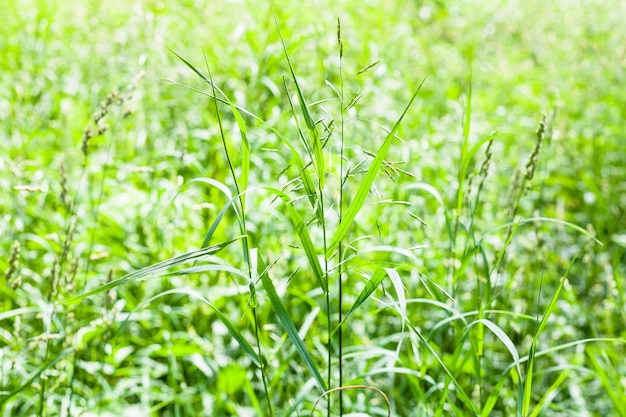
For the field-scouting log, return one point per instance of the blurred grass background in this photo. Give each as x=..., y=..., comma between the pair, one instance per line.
x=60, y=60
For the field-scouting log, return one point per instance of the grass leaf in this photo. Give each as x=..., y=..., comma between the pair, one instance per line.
x=316, y=143
x=232, y=329
x=155, y=270
x=305, y=238
x=292, y=332
x=533, y=346
x=367, y=182
x=459, y=388
x=364, y=295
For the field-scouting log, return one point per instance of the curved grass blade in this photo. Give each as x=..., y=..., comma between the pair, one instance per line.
x=305, y=238
x=548, y=220
x=364, y=295
x=528, y=385
x=316, y=143
x=399, y=287
x=290, y=328
x=232, y=329
x=36, y=375
x=158, y=269
x=495, y=393
x=506, y=341
x=361, y=194
x=459, y=389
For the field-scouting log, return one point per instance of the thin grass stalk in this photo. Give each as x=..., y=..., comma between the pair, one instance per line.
x=318, y=207
x=315, y=150
x=460, y=192
x=340, y=246
x=329, y=315
x=244, y=244
x=484, y=292
x=316, y=144
x=524, y=404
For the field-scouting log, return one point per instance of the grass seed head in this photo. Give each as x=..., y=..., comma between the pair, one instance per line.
x=13, y=261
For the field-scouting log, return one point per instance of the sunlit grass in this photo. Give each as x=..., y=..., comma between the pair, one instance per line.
x=417, y=215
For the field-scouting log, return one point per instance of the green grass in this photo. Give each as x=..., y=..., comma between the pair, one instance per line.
x=259, y=209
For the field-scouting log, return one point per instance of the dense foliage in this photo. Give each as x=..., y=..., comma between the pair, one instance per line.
x=229, y=209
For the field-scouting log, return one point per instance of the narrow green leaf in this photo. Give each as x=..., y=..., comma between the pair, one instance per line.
x=397, y=285
x=364, y=295
x=609, y=375
x=367, y=182
x=232, y=329
x=305, y=238
x=528, y=385
x=495, y=395
x=197, y=269
x=547, y=220
x=290, y=328
x=29, y=380
x=459, y=389
x=550, y=394
x=472, y=152
x=306, y=177
x=316, y=143
x=504, y=338
x=429, y=189
x=218, y=219
x=158, y=269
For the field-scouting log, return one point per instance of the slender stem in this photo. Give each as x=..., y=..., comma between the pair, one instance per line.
x=340, y=247
x=245, y=246
x=329, y=345
x=328, y=315
x=71, y=384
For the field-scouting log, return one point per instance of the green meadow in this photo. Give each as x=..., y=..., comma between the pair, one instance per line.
x=374, y=208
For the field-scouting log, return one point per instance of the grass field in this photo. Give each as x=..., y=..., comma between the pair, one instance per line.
x=333, y=208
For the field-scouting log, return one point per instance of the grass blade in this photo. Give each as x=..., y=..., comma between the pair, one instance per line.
x=305, y=238
x=316, y=143
x=495, y=394
x=399, y=287
x=155, y=270
x=609, y=376
x=460, y=392
x=506, y=341
x=364, y=295
x=367, y=182
x=232, y=329
x=290, y=328
x=528, y=385
x=550, y=393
